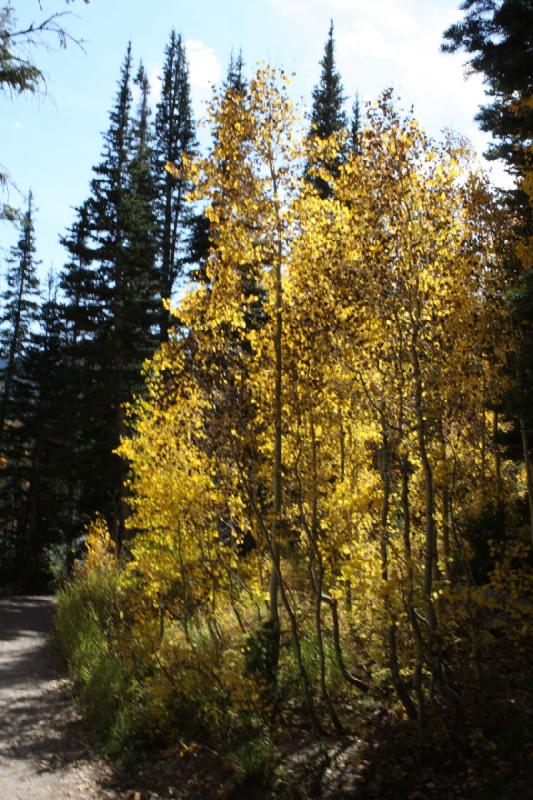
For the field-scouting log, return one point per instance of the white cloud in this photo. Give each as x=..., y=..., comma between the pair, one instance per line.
x=204, y=71
x=397, y=43
x=16, y=126
x=203, y=64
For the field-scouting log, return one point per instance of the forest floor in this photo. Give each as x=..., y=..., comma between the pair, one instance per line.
x=44, y=752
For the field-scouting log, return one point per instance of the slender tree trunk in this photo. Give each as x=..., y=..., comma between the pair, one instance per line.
x=483, y=442
x=277, y=487
x=348, y=676
x=166, y=247
x=497, y=457
x=430, y=560
x=446, y=527
x=411, y=611
x=318, y=569
x=295, y=636
x=434, y=654
x=529, y=472
x=342, y=443
x=527, y=458
x=392, y=645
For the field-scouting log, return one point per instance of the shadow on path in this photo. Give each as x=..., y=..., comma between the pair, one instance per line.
x=43, y=749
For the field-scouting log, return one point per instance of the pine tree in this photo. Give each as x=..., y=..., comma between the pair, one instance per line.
x=497, y=36
x=328, y=118
x=44, y=430
x=517, y=402
x=112, y=303
x=355, y=126
x=20, y=304
x=235, y=80
x=327, y=115
x=20, y=311
x=107, y=218
x=77, y=373
x=174, y=138
x=141, y=288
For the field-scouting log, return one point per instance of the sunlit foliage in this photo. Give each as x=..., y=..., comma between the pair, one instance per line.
x=315, y=455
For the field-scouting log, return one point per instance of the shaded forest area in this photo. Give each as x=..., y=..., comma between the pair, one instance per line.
x=304, y=488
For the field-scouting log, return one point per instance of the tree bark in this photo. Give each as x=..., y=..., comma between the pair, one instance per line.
x=529, y=472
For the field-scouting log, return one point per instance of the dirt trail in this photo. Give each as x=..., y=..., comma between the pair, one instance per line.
x=43, y=751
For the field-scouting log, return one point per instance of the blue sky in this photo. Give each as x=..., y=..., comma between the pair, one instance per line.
x=50, y=143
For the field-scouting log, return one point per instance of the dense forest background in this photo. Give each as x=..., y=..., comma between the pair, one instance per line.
x=300, y=495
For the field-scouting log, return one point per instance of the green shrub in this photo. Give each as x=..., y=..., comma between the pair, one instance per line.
x=255, y=759
x=104, y=679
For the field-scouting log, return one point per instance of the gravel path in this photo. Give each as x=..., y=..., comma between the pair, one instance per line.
x=43, y=751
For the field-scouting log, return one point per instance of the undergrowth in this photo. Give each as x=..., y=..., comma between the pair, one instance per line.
x=146, y=683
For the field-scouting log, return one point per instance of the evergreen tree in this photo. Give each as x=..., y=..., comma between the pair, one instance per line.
x=327, y=114
x=497, y=36
x=355, y=126
x=112, y=303
x=43, y=430
x=20, y=312
x=518, y=400
x=107, y=207
x=78, y=371
x=141, y=289
x=20, y=304
x=235, y=80
x=174, y=138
